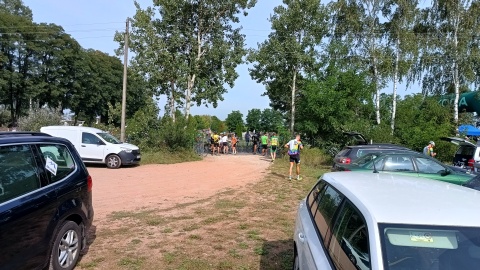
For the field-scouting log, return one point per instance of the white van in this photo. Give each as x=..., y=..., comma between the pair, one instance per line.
x=97, y=146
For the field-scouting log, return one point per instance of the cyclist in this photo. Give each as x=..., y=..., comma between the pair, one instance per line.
x=234, y=144
x=273, y=146
x=216, y=144
x=264, y=140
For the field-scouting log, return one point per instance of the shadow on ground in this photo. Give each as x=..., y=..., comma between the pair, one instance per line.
x=91, y=236
x=276, y=255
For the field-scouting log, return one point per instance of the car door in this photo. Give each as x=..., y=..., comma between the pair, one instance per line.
x=430, y=168
x=91, y=148
x=349, y=247
x=25, y=209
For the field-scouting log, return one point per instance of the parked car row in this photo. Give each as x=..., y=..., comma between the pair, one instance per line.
x=363, y=220
x=387, y=207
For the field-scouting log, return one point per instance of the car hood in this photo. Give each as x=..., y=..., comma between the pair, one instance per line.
x=129, y=146
x=457, y=141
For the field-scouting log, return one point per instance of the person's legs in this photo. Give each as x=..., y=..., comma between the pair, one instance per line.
x=298, y=168
x=290, y=172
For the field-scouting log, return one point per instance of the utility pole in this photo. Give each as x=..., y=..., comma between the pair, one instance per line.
x=124, y=92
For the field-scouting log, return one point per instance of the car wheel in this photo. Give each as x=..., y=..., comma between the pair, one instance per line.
x=296, y=262
x=113, y=162
x=66, y=248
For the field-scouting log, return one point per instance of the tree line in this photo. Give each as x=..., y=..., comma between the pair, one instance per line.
x=43, y=66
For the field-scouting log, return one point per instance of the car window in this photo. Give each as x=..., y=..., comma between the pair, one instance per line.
x=18, y=172
x=327, y=206
x=398, y=164
x=349, y=246
x=465, y=150
x=60, y=157
x=313, y=196
x=343, y=153
x=426, y=165
x=89, y=138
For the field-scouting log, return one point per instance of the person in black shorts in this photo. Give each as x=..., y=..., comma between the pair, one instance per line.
x=294, y=147
x=255, y=140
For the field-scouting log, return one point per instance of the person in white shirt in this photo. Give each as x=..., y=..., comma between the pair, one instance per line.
x=225, y=143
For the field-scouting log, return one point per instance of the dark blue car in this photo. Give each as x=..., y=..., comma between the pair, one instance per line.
x=45, y=202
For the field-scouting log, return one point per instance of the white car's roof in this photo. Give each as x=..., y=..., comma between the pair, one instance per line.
x=82, y=128
x=391, y=198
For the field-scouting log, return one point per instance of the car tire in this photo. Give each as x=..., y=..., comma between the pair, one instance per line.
x=296, y=262
x=67, y=246
x=113, y=161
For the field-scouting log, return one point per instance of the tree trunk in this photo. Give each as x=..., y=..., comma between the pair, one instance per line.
x=294, y=90
x=188, y=95
x=395, y=83
x=171, y=103
x=455, y=72
x=377, y=90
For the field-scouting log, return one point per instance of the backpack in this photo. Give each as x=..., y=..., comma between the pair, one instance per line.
x=274, y=141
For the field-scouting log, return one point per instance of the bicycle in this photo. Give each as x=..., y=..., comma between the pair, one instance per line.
x=202, y=149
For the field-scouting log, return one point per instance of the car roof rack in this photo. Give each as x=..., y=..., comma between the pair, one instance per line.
x=23, y=133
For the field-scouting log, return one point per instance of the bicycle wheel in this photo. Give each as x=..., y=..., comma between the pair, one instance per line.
x=206, y=149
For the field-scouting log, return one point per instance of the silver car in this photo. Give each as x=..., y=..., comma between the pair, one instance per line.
x=362, y=220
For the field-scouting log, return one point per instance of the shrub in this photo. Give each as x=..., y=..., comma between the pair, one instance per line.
x=39, y=118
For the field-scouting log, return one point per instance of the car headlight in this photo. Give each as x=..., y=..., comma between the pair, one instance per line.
x=126, y=149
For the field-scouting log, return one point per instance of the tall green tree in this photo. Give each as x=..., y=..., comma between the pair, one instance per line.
x=402, y=17
x=358, y=23
x=253, y=119
x=234, y=120
x=290, y=52
x=271, y=120
x=189, y=49
x=451, y=47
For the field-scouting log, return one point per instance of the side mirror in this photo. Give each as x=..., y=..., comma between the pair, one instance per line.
x=100, y=142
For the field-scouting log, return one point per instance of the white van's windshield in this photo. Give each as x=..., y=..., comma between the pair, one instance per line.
x=430, y=247
x=109, y=138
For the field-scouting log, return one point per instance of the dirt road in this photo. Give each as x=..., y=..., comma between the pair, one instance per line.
x=162, y=186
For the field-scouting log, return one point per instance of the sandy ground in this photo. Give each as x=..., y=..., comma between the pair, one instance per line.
x=162, y=186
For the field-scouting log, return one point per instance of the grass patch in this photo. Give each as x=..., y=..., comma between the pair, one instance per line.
x=220, y=232
x=167, y=157
x=131, y=263
x=229, y=204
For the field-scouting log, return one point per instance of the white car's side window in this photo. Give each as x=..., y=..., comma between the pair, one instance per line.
x=349, y=245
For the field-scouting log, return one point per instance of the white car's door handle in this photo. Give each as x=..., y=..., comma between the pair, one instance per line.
x=302, y=237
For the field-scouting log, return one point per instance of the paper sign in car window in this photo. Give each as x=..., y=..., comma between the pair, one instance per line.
x=421, y=237
x=51, y=166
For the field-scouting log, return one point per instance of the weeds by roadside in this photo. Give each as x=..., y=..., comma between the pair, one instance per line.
x=167, y=157
x=246, y=228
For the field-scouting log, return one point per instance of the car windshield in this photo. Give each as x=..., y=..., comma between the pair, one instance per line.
x=366, y=158
x=109, y=138
x=430, y=247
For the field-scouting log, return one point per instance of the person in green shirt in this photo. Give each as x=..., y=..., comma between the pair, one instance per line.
x=273, y=146
x=264, y=140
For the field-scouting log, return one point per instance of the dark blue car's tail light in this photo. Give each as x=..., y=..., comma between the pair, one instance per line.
x=89, y=183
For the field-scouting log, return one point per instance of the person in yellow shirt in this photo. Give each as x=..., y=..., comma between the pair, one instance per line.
x=216, y=144
x=273, y=146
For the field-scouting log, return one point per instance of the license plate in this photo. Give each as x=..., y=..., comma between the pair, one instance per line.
x=139, y=156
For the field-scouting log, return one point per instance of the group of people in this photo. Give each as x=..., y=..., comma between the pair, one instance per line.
x=219, y=143
x=265, y=141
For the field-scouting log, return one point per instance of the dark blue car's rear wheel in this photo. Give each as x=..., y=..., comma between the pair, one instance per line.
x=67, y=246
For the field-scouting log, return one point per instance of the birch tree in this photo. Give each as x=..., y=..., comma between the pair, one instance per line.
x=402, y=16
x=189, y=49
x=290, y=52
x=358, y=23
x=451, y=36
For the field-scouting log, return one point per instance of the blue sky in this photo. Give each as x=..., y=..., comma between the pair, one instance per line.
x=93, y=24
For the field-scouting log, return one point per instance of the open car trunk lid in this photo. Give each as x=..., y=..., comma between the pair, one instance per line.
x=458, y=141
x=356, y=136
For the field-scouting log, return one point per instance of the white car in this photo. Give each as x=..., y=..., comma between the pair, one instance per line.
x=97, y=146
x=363, y=220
